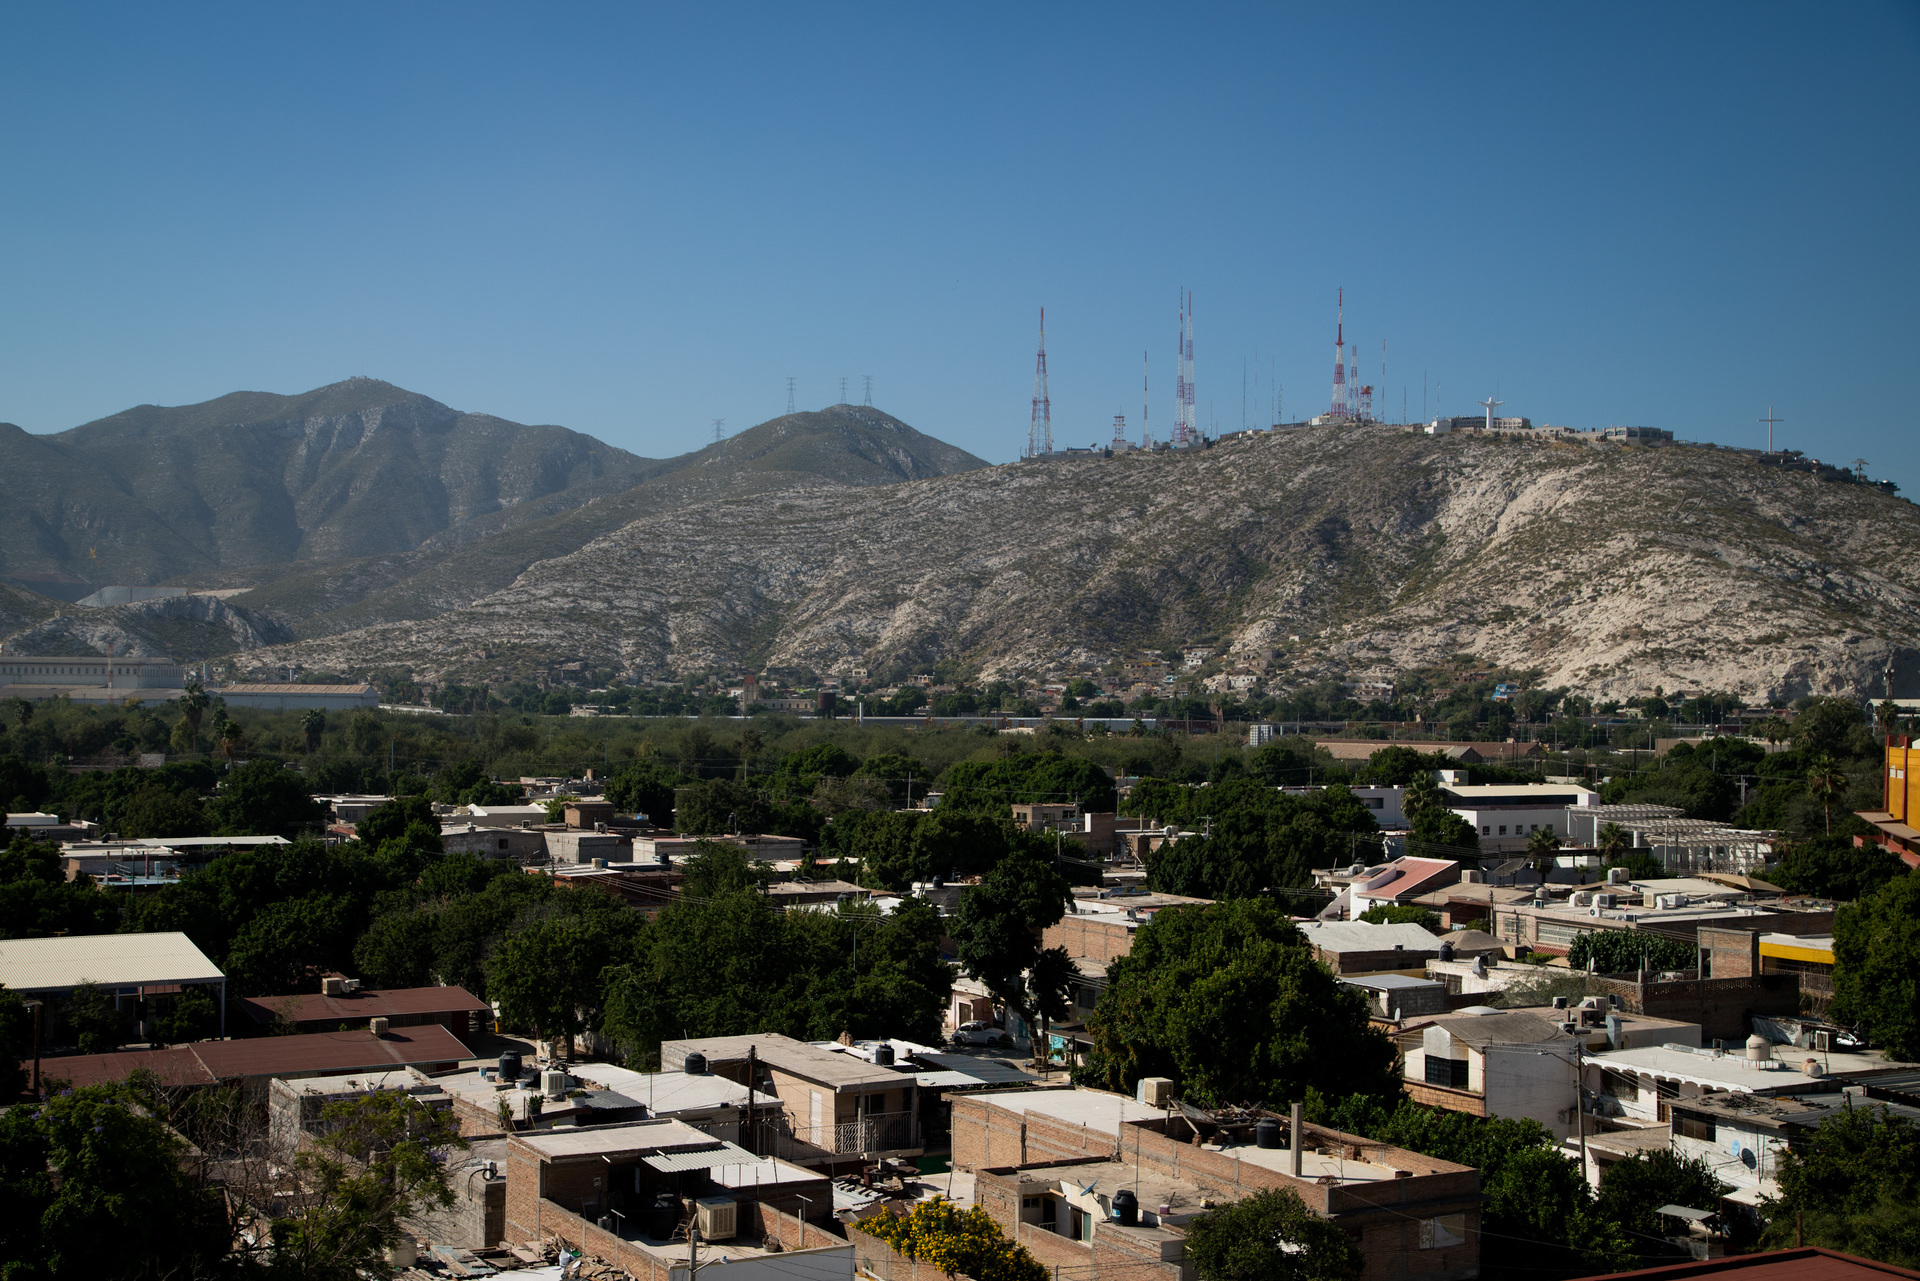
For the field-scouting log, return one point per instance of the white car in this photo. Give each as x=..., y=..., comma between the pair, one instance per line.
x=978, y=1033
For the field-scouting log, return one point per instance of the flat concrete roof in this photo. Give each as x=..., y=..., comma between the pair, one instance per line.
x=797, y=1058
x=1095, y=1109
x=667, y=1092
x=606, y=1140
x=109, y=960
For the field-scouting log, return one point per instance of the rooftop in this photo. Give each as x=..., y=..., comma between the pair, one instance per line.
x=367, y=1003
x=798, y=1058
x=109, y=960
x=283, y=688
x=664, y=1093
x=1510, y=1027
x=1362, y=936
x=606, y=1140
x=315, y=1053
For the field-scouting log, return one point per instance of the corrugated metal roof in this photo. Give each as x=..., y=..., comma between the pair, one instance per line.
x=110, y=960
x=721, y=1153
x=308, y=1007
x=315, y=1053
x=282, y=688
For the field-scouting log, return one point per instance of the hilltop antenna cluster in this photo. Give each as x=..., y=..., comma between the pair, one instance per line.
x=1119, y=431
x=1183, y=420
x=1339, y=406
x=1040, y=432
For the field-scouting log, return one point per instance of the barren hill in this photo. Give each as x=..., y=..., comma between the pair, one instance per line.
x=1610, y=568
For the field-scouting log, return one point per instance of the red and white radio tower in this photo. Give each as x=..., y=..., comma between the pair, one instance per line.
x=1339, y=409
x=1040, y=434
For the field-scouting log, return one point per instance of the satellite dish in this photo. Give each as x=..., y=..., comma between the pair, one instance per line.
x=1086, y=1189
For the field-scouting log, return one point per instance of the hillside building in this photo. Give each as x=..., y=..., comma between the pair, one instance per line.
x=89, y=678
x=282, y=697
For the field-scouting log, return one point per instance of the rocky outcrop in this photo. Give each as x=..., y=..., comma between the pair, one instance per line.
x=181, y=627
x=1607, y=568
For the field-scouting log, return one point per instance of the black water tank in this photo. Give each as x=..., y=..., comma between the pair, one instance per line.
x=510, y=1066
x=663, y=1216
x=1267, y=1133
x=1126, y=1208
x=696, y=1064
x=1446, y=951
x=883, y=1055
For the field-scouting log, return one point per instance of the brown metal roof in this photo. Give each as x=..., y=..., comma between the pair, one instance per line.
x=325, y=1053
x=358, y=1007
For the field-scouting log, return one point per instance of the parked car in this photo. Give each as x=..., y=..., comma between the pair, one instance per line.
x=978, y=1033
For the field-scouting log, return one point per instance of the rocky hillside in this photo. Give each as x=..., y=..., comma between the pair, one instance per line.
x=1609, y=568
x=233, y=487
x=842, y=447
x=184, y=627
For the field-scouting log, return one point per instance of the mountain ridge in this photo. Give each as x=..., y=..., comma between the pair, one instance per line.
x=1608, y=568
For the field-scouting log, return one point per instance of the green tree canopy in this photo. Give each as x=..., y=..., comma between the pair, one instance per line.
x=957, y=1242
x=264, y=798
x=997, y=928
x=1046, y=777
x=1876, y=966
x=1852, y=1185
x=1254, y=838
x=646, y=787
x=1834, y=867
x=1228, y=1001
x=1626, y=951
x=1270, y=1236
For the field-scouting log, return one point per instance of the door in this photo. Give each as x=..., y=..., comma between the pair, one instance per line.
x=813, y=1114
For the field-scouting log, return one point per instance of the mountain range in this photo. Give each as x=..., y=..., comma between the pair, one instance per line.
x=845, y=539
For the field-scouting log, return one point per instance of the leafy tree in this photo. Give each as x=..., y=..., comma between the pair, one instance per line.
x=190, y=1017
x=1625, y=951
x=1831, y=727
x=16, y=1043
x=1876, y=958
x=1033, y=777
x=1397, y=766
x=1255, y=839
x=646, y=787
x=958, y=1242
x=1228, y=1000
x=1402, y=914
x=1834, y=867
x=264, y=798
x=907, y=779
x=719, y=867
x=547, y=976
x=1048, y=982
x=95, y=1186
x=160, y=811
x=396, y=819
x=719, y=806
x=23, y=787
x=1852, y=1185
x=1537, y=1219
x=97, y=1027
x=1270, y=1236
x=379, y=1158
x=36, y=899
x=1827, y=784
x=1633, y=1190
x=997, y=929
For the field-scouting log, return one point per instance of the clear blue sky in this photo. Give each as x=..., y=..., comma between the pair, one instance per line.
x=633, y=220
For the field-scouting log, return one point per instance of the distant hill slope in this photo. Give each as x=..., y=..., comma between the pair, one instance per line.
x=252, y=480
x=1610, y=568
x=844, y=446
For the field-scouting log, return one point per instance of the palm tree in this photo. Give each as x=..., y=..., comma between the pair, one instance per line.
x=1826, y=783
x=1888, y=717
x=1613, y=841
x=1773, y=729
x=231, y=736
x=193, y=705
x=1541, y=847
x=314, y=722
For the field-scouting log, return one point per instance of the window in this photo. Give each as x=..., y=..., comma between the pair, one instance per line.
x=1689, y=1126
x=1486, y=830
x=1448, y=1073
x=1446, y=1230
x=1503, y=829
x=1617, y=1086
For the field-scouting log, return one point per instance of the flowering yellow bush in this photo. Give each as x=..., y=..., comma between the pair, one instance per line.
x=967, y=1242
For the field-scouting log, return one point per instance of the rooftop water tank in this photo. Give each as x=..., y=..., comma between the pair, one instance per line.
x=1267, y=1133
x=1759, y=1049
x=695, y=1064
x=510, y=1066
x=1126, y=1208
x=1446, y=951
x=883, y=1054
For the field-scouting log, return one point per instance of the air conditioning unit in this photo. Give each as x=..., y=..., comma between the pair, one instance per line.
x=717, y=1217
x=1603, y=901
x=1154, y=1091
x=1582, y=898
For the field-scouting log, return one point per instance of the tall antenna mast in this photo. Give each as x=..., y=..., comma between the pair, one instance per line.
x=1146, y=429
x=789, y=395
x=1040, y=433
x=1339, y=409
